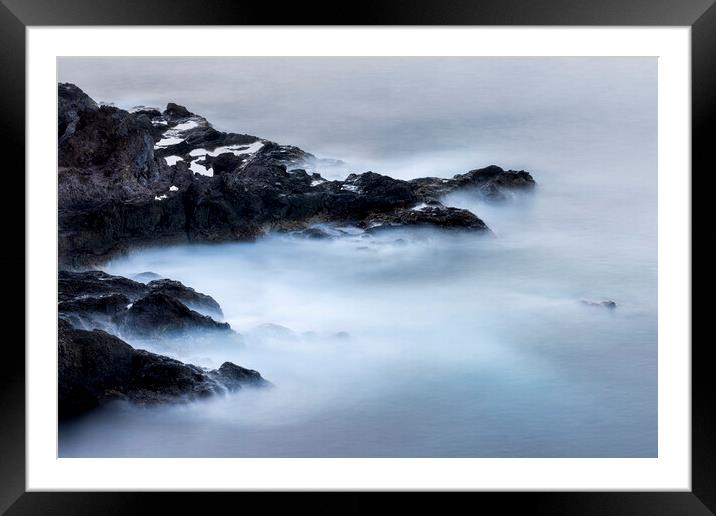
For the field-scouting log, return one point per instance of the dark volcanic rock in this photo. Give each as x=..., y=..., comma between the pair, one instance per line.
x=492, y=182
x=235, y=377
x=117, y=191
x=149, y=112
x=93, y=312
x=79, y=285
x=285, y=154
x=109, y=136
x=225, y=162
x=95, y=299
x=71, y=103
x=187, y=295
x=95, y=367
x=429, y=215
x=177, y=111
x=160, y=315
x=106, y=305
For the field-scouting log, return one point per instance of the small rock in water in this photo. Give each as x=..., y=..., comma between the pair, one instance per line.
x=274, y=331
x=605, y=303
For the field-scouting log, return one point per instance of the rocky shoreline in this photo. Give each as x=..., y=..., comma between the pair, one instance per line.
x=96, y=311
x=140, y=177
x=132, y=178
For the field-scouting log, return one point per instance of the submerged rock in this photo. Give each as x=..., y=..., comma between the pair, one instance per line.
x=604, y=303
x=95, y=368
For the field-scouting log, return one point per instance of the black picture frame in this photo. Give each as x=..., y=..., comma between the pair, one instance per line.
x=16, y=15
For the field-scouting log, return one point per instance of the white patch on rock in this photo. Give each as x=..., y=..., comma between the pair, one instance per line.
x=236, y=150
x=172, y=160
x=191, y=124
x=349, y=188
x=173, y=188
x=166, y=141
x=201, y=169
x=160, y=197
x=141, y=108
x=317, y=182
x=174, y=135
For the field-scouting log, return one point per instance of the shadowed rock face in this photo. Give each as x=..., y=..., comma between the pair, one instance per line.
x=491, y=182
x=79, y=285
x=128, y=179
x=430, y=215
x=187, y=295
x=159, y=315
x=95, y=367
x=161, y=308
x=234, y=377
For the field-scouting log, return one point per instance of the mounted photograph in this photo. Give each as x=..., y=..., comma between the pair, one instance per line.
x=369, y=257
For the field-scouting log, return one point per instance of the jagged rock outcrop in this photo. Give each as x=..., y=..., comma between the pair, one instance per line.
x=73, y=285
x=187, y=295
x=160, y=308
x=160, y=315
x=131, y=178
x=95, y=367
x=432, y=215
x=235, y=377
x=491, y=182
x=98, y=310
